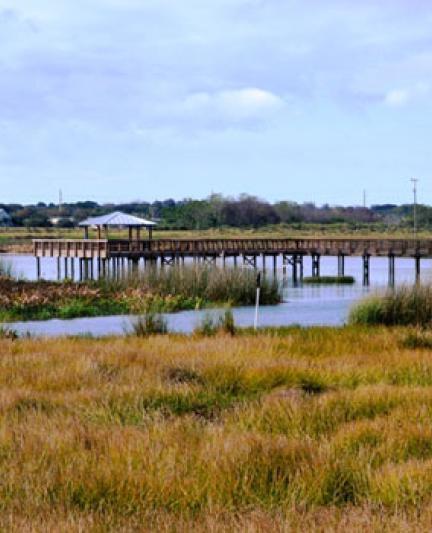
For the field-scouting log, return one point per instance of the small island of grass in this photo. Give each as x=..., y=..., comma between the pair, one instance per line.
x=330, y=280
x=157, y=290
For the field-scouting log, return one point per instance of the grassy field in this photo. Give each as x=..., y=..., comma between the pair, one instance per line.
x=297, y=430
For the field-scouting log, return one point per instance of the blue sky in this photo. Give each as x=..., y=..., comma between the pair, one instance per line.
x=307, y=100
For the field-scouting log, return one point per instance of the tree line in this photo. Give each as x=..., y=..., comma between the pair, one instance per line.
x=218, y=211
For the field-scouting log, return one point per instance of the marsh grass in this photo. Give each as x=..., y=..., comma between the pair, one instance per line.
x=212, y=324
x=157, y=290
x=402, y=306
x=200, y=284
x=150, y=323
x=297, y=429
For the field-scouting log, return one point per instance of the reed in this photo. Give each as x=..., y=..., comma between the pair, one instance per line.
x=299, y=429
x=402, y=306
x=201, y=284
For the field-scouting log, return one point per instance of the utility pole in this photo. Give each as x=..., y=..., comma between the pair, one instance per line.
x=364, y=198
x=60, y=201
x=415, y=181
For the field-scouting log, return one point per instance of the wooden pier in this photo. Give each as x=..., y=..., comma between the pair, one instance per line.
x=113, y=255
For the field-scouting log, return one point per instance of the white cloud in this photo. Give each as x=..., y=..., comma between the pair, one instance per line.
x=401, y=97
x=236, y=106
x=397, y=97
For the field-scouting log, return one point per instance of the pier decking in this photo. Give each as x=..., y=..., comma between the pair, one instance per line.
x=114, y=253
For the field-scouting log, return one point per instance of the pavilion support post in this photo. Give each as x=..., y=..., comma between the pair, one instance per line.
x=417, y=268
x=366, y=269
x=38, y=268
x=391, y=276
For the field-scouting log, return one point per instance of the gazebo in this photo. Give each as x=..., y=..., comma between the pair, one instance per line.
x=117, y=219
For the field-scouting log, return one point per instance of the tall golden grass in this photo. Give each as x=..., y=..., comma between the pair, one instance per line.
x=296, y=430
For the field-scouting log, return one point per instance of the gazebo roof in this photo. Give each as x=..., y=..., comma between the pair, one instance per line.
x=117, y=219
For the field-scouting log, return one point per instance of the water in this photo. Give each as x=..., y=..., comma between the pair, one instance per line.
x=305, y=305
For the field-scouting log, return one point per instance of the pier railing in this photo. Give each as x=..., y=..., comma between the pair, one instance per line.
x=83, y=249
x=322, y=246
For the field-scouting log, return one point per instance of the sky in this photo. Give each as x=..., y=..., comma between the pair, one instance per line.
x=303, y=100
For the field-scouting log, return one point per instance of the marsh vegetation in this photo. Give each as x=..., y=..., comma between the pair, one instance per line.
x=279, y=430
x=152, y=290
x=401, y=306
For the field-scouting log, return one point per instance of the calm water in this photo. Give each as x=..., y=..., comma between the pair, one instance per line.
x=305, y=305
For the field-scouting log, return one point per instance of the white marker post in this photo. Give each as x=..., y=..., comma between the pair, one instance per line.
x=257, y=302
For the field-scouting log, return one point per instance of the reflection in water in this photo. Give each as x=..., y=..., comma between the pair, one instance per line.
x=305, y=305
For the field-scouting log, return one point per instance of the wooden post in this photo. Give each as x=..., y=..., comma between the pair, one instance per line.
x=294, y=268
x=391, y=276
x=417, y=268
x=86, y=232
x=38, y=268
x=366, y=265
x=341, y=265
x=315, y=265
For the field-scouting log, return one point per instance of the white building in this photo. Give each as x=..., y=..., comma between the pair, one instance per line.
x=5, y=218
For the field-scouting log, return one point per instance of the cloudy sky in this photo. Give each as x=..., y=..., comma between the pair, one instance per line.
x=308, y=100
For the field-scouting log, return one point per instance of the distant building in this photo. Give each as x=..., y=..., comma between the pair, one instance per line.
x=62, y=221
x=5, y=218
